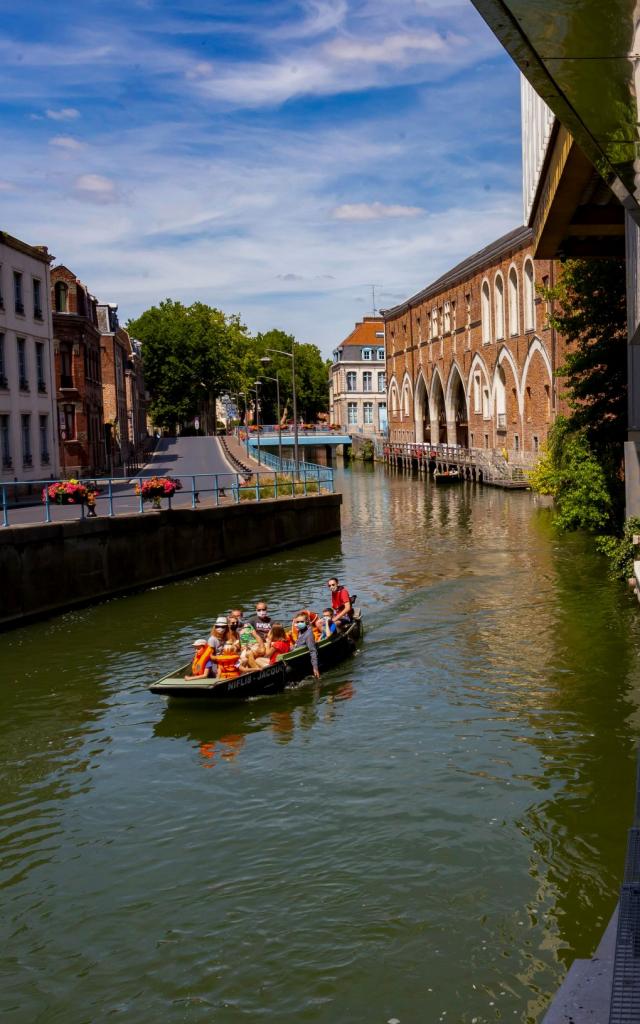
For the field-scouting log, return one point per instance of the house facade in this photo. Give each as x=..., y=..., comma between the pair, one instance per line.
x=78, y=376
x=28, y=440
x=471, y=359
x=357, y=380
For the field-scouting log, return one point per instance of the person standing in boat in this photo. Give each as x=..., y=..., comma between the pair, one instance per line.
x=305, y=639
x=340, y=603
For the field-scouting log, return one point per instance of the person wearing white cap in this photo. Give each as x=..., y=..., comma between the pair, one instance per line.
x=202, y=666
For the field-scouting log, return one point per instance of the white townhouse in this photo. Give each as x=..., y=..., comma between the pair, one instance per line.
x=28, y=424
x=357, y=380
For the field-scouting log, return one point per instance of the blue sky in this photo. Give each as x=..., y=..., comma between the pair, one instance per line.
x=272, y=158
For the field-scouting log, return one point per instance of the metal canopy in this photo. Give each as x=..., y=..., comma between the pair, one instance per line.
x=583, y=58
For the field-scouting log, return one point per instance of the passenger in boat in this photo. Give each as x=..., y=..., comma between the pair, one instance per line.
x=314, y=622
x=261, y=621
x=202, y=666
x=278, y=643
x=251, y=647
x=305, y=639
x=219, y=634
x=237, y=615
x=341, y=603
x=328, y=625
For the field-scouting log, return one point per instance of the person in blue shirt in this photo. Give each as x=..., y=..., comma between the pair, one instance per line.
x=328, y=625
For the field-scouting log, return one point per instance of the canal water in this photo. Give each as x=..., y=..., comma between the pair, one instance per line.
x=432, y=833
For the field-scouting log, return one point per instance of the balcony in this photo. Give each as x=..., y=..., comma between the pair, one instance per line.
x=19, y=308
x=66, y=380
x=24, y=384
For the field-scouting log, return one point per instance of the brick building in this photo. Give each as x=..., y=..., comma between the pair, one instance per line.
x=115, y=352
x=357, y=380
x=471, y=359
x=28, y=412
x=137, y=398
x=78, y=375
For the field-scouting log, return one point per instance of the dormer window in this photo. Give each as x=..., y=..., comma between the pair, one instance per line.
x=379, y=334
x=60, y=292
x=366, y=353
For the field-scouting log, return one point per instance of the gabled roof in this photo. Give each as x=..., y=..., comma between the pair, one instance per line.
x=516, y=239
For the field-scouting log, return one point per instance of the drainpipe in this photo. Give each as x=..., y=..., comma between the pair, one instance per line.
x=413, y=373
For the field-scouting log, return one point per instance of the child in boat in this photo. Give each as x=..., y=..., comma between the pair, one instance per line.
x=328, y=625
x=251, y=648
x=202, y=666
x=277, y=644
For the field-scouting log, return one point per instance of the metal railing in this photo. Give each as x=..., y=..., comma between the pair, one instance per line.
x=311, y=469
x=494, y=464
x=21, y=505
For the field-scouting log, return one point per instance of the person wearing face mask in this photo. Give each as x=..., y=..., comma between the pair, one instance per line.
x=261, y=621
x=305, y=639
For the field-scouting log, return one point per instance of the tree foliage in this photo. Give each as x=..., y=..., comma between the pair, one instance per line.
x=590, y=313
x=570, y=471
x=190, y=353
x=195, y=353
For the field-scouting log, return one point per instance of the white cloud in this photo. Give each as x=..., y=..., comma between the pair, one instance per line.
x=66, y=142
x=95, y=188
x=374, y=211
x=65, y=114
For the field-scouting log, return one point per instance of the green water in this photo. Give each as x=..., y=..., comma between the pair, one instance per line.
x=431, y=834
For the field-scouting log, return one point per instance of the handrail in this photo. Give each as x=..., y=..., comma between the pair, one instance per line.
x=118, y=496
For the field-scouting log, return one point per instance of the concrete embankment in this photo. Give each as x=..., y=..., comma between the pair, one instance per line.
x=50, y=568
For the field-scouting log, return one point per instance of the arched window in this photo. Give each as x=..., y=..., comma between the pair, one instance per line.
x=501, y=399
x=499, y=298
x=60, y=293
x=486, y=314
x=514, y=316
x=529, y=298
x=405, y=400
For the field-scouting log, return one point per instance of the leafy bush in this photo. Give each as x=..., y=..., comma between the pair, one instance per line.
x=570, y=472
x=620, y=550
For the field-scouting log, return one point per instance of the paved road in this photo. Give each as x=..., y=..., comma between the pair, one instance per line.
x=182, y=458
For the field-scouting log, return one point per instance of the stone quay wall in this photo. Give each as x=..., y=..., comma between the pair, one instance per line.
x=53, y=567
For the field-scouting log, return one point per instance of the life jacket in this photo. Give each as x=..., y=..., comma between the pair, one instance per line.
x=199, y=663
x=226, y=665
x=313, y=625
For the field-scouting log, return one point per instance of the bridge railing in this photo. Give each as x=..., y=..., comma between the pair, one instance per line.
x=24, y=502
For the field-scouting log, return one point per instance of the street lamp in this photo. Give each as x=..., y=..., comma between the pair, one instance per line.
x=277, y=380
x=257, y=384
x=265, y=360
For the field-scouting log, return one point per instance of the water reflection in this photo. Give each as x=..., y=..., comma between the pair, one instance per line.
x=221, y=734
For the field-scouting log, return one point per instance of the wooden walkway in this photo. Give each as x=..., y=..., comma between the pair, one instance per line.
x=483, y=465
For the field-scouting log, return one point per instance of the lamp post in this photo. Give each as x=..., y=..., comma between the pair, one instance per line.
x=265, y=360
x=277, y=380
x=257, y=384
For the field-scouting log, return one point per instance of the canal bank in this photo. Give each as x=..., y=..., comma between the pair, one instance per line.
x=52, y=567
x=434, y=833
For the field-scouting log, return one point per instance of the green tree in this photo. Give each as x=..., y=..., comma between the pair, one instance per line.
x=312, y=376
x=192, y=354
x=589, y=311
x=591, y=316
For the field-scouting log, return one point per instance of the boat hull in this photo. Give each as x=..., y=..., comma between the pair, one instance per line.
x=291, y=669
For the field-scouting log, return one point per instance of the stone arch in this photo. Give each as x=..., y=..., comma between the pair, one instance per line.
x=536, y=393
x=505, y=356
x=506, y=402
x=422, y=413
x=514, y=301
x=498, y=295
x=457, y=409
x=394, y=397
x=438, y=410
x=407, y=392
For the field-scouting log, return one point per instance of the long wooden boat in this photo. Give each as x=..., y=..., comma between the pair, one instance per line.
x=291, y=668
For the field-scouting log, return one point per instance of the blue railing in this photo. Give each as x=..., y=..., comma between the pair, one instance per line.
x=311, y=469
x=28, y=501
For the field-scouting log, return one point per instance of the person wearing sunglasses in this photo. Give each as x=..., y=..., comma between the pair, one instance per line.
x=305, y=639
x=340, y=602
